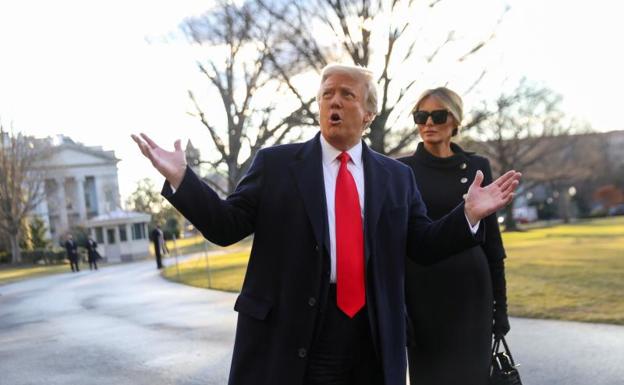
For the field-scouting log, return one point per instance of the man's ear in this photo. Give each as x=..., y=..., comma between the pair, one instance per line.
x=369, y=117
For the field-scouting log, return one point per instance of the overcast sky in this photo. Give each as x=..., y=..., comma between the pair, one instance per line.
x=100, y=70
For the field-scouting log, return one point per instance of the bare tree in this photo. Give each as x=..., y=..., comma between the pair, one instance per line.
x=526, y=130
x=20, y=184
x=383, y=35
x=252, y=77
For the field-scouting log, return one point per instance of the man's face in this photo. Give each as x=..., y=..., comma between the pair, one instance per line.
x=342, y=110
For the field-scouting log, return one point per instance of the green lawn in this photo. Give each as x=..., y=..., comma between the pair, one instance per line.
x=222, y=272
x=571, y=272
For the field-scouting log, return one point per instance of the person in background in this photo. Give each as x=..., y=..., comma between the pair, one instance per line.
x=453, y=306
x=92, y=253
x=159, y=245
x=72, y=253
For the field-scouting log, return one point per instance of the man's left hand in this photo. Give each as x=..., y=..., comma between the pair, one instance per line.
x=483, y=201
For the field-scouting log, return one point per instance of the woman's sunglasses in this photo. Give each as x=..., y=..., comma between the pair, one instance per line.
x=437, y=116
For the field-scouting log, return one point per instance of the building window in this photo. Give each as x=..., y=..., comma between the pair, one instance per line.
x=138, y=231
x=123, y=236
x=99, y=235
x=110, y=235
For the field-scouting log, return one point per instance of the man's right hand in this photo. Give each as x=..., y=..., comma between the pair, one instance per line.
x=171, y=164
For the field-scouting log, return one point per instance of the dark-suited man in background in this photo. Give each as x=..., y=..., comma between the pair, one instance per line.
x=72, y=253
x=323, y=296
x=92, y=253
x=158, y=239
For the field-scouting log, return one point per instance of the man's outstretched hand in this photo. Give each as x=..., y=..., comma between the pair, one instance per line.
x=483, y=201
x=171, y=164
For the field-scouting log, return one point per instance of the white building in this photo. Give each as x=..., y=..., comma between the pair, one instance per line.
x=81, y=189
x=120, y=235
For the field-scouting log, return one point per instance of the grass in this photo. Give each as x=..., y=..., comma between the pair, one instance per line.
x=14, y=274
x=221, y=272
x=569, y=272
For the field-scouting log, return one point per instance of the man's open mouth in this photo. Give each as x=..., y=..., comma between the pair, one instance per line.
x=335, y=118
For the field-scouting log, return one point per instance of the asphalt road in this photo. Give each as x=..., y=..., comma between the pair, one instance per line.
x=125, y=325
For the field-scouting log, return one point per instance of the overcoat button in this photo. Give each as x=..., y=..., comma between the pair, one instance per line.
x=464, y=180
x=312, y=301
x=463, y=166
x=302, y=353
x=316, y=248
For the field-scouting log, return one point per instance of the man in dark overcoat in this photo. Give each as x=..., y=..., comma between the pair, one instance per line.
x=72, y=253
x=333, y=221
x=92, y=254
x=158, y=239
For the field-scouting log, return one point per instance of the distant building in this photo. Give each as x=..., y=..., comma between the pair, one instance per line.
x=81, y=189
x=122, y=235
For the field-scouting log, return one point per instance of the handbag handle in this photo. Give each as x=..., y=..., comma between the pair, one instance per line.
x=497, y=341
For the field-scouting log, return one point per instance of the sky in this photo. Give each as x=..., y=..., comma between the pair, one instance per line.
x=98, y=71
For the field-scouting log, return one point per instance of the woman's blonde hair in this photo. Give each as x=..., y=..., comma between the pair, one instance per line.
x=449, y=99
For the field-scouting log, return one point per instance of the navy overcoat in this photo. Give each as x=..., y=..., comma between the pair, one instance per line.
x=281, y=200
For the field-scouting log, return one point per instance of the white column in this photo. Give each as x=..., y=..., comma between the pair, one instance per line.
x=80, y=201
x=62, y=206
x=99, y=204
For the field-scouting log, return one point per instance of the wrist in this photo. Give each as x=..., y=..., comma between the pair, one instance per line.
x=175, y=180
x=472, y=218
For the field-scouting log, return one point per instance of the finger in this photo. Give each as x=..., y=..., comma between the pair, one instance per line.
x=503, y=178
x=139, y=143
x=478, y=179
x=145, y=149
x=177, y=145
x=510, y=189
x=149, y=141
x=506, y=194
x=136, y=139
x=508, y=183
x=509, y=198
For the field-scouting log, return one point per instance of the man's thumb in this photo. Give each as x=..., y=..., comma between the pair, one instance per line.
x=478, y=179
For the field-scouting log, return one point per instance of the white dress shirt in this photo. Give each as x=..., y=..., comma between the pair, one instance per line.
x=331, y=165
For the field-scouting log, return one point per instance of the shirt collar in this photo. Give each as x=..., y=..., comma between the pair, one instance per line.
x=330, y=153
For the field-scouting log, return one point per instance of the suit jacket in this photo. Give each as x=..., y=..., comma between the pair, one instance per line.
x=72, y=249
x=281, y=200
x=92, y=249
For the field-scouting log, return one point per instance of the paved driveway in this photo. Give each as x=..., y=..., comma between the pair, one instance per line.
x=125, y=325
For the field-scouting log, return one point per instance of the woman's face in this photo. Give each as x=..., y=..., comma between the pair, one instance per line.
x=431, y=133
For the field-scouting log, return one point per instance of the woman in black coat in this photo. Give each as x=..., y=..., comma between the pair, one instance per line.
x=454, y=306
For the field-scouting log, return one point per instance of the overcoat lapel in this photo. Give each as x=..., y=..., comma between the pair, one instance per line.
x=307, y=169
x=375, y=185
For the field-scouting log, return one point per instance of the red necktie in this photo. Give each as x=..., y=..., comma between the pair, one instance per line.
x=349, y=242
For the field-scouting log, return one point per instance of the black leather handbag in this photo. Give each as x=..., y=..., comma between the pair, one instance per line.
x=503, y=370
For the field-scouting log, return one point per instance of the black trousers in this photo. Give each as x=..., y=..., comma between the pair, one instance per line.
x=159, y=264
x=343, y=352
x=92, y=264
x=74, y=264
